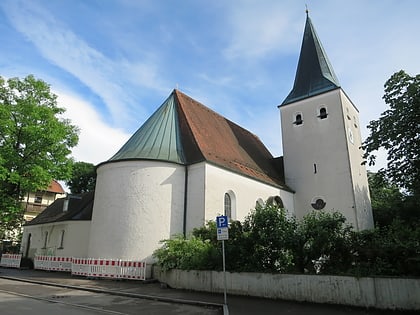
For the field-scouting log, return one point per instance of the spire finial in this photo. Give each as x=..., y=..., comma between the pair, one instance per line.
x=307, y=10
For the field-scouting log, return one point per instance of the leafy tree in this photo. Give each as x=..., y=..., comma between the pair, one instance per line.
x=83, y=178
x=269, y=233
x=387, y=200
x=398, y=132
x=35, y=143
x=325, y=238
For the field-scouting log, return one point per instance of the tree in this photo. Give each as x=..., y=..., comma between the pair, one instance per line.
x=35, y=143
x=387, y=199
x=398, y=132
x=83, y=178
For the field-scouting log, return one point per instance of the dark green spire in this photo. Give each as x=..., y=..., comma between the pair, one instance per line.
x=158, y=139
x=314, y=74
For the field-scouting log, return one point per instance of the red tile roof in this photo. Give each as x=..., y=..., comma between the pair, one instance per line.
x=224, y=143
x=55, y=187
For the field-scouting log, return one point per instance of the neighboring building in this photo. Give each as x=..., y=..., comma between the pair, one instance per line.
x=187, y=164
x=36, y=202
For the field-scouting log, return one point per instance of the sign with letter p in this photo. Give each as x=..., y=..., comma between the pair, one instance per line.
x=222, y=221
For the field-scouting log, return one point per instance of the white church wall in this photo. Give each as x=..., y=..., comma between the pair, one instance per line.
x=64, y=239
x=246, y=192
x=195, y=201
x=364, y=217
x=137, y=204
x=315, y=155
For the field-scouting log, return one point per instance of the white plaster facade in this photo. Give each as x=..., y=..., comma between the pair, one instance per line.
x=64, y=239
x=323, y=157
x=139, y=203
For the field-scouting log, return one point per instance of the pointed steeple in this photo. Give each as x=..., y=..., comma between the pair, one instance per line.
x=158, y=139
x=314, y=74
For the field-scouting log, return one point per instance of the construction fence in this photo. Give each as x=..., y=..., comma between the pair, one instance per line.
x=88, y=267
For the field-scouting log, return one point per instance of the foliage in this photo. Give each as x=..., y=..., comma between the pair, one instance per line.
x=390, y=250
x=187, y=254
x=389, y=203
x=35, y=141
x=398, y=132
x=322, y=242
x=323, y=238
x=269, y=234
x=11, y=215
x=83, y=178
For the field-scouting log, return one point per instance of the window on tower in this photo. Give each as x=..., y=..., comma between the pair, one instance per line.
x=323, y=113
x=298, y=119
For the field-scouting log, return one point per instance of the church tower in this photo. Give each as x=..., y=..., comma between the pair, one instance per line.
x=322, y=141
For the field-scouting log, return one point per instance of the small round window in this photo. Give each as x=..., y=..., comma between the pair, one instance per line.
x=318, y=203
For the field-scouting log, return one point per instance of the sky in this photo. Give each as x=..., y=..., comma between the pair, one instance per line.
x=112, y=63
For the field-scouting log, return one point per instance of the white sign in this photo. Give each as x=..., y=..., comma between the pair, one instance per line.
x=222, y=234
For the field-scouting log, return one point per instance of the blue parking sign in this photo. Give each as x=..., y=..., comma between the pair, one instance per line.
x=222, y=221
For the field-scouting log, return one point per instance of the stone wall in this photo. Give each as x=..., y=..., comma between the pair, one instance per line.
x=382, y=293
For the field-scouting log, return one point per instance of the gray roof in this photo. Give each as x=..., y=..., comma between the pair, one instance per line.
x=79, y=208
x=314, y=74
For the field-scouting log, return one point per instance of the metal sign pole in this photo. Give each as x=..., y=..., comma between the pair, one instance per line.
x=224, y=272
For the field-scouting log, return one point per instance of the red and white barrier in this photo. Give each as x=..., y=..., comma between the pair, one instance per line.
x=109, y=268
x=80, y=266
x=10, y=260
x=42, y=262
x=93, y=267
x=104, y=268
x=134, y=270
x=52, y=263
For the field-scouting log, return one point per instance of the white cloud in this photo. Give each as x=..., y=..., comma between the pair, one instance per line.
x=97, y=140
x=260, y=28
x=111, y=80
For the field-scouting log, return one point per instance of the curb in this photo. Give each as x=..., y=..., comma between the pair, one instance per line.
x=125, y=294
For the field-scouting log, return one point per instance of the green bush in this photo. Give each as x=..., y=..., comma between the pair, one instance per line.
x=321, y=242
x=187, y=254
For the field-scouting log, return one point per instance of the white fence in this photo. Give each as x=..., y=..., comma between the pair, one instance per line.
x=93, y=267
x=382, y=293
x=10, y=260
x=53, y=263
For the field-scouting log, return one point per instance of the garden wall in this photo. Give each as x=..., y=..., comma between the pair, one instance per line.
x=382, y=293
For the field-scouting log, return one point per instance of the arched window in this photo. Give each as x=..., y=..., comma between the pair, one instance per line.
x=276, y=201
x=298, y=119
x=228, y=206
x=323, y=113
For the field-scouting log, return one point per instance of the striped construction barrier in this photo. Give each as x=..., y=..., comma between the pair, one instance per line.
x=104, y=268
x=80, y=266
x=60, y=263
x=133, y=270
x=109, y=268
x=52, y=263
x=10, y=260
x=42, y=262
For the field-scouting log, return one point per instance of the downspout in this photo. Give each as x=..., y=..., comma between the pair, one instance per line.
x=184, y=227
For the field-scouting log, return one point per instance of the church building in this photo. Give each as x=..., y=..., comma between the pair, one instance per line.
x=187, y=164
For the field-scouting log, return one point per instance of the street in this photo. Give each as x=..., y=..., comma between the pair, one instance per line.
x=27, y=298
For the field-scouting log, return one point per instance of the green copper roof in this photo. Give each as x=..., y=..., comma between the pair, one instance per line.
x=314, y=74
x=157, y=139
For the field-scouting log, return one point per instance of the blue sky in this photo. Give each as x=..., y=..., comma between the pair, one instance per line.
x=112, y=63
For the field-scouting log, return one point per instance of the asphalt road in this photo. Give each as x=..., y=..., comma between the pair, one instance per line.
x=29, y=298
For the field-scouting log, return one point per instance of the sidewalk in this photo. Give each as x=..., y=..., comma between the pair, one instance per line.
x=153, y=290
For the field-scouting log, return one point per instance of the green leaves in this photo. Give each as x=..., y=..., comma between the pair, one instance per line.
x=35, y=141
x=398, y=132
x=83, y=178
